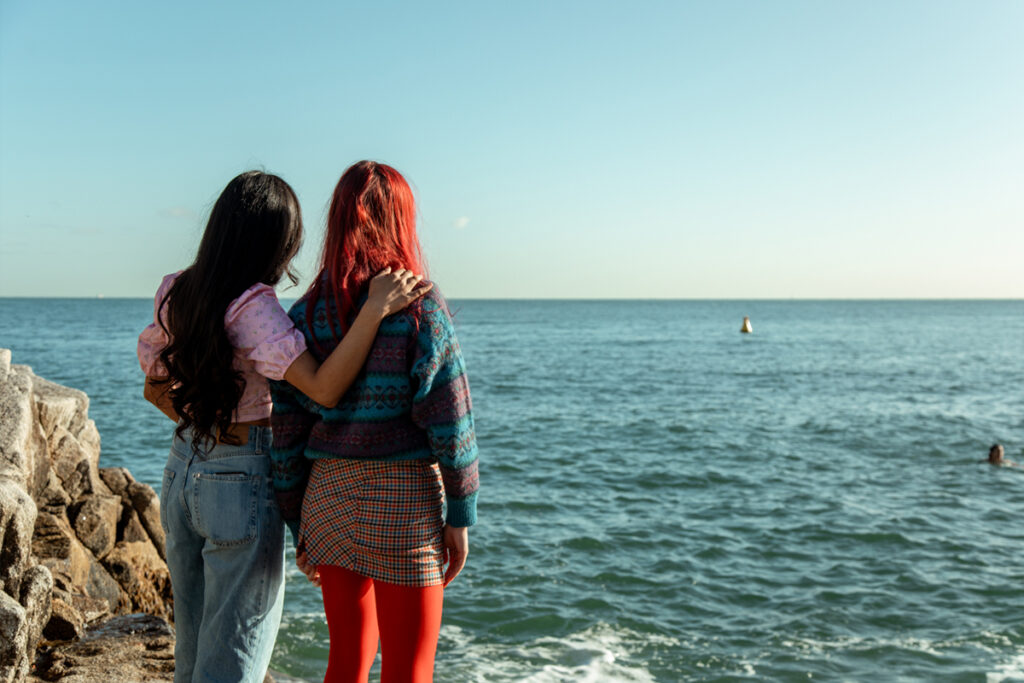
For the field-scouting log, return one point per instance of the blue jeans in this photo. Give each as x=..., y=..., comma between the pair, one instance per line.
x=225, y=552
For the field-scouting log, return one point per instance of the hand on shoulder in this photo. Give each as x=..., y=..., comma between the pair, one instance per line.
x=391, y=291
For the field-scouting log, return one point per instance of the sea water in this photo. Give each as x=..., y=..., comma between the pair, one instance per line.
x=665, y=499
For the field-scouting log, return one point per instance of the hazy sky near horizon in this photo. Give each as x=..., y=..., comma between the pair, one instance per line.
x=558, y=149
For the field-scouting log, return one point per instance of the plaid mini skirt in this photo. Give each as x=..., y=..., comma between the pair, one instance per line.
x=381, y=520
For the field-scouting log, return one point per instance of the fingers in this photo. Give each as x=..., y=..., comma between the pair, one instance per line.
x=408, y=279
x=310, y=570
x=403, y=276
x=313, y=574
x=407, y=283
x=408, y=286
x=411, y=294
x=456, y=561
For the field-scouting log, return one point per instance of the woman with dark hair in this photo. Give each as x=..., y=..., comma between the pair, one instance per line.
x=368, y=478
x=218, y=334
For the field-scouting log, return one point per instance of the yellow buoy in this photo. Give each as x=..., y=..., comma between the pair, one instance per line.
x=746, y=329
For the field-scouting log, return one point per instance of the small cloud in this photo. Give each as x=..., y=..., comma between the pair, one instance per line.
x=461, y=222
x=179, y=212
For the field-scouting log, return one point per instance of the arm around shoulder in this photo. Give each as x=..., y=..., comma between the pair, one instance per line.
x=326, y=383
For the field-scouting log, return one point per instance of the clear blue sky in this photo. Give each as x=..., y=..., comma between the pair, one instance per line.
x=558, y=149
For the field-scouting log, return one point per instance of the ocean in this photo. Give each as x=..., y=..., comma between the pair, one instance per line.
x=665, y=499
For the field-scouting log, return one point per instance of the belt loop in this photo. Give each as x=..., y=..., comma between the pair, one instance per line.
x=256, y=438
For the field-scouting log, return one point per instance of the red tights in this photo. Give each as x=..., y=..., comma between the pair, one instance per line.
x=359, y=610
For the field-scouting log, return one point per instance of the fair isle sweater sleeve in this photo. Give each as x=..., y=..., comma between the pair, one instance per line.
x=289, y=466
x=441, y=407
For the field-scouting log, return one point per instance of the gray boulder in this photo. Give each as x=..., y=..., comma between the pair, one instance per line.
x=73, y=567
x=94, y=519
x=143, y=575
x=131, y=529
x=147, y=505
x=14, y=654
x=75, y=463
x=117, y=479
x=65, y=623
x=17, y=521
x=90, y=609
x=36, y=598
x=60, y=406
x=22, y=444
x=77, y=545
x=53, y=494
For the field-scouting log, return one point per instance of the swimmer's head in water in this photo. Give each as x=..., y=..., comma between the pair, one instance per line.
x=995, y=454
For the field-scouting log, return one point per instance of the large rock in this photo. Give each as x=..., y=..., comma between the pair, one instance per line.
x=16, y=426
x=77, y=545
x=22, y=442
x=60, y=406
x=147, y=505
x=36, y=598
x=143, y=575
x=130, y=527
x=143, y=500
x=53, y=494
x=137, y=648
x=75, y=463
x=89, y=609
x=117, y=479
x=17, y=521
x=95, y=520
x=73, y=567
x=72, y=439
x=37, y=451
x=14, y=653
x=65, y=622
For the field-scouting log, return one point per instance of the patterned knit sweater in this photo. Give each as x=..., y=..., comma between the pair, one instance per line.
x=410, y=401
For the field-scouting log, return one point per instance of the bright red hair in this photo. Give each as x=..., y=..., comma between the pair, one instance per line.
x=371, y=225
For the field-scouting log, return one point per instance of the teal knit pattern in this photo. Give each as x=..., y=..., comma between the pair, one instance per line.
x=410, y=401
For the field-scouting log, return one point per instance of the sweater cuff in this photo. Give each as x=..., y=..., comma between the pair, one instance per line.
x=462, y=511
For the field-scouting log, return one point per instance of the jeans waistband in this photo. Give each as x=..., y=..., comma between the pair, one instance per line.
x=258, y=444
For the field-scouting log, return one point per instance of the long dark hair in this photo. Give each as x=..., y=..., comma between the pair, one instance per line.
x=254, y=231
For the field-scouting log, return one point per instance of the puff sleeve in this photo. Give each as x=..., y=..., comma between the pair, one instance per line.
x=153, y=339
x=262, y=332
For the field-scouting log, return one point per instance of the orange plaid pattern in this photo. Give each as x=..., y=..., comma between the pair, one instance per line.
x=380, y=519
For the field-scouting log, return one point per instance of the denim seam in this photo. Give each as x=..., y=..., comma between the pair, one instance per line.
x=165, y=497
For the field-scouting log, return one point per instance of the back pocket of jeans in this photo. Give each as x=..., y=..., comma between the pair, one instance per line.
x=225, y=507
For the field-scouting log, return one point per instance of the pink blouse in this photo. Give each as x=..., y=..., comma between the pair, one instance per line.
x=265, y=340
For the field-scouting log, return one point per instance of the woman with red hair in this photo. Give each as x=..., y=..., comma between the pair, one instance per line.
x=385, y=483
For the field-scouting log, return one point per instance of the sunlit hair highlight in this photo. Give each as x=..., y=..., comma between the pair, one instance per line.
x=371, y=225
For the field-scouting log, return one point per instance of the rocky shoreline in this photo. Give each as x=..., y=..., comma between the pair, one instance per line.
x=85, y=594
